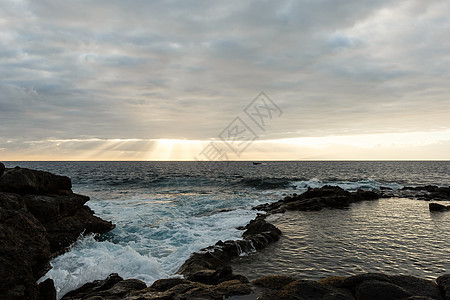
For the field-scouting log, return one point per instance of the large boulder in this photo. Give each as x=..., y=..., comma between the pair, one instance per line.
x=307, y=289
x=25, y=181
x=65, y=217
x=417, y=286
x=39, y=218
x=375, y=290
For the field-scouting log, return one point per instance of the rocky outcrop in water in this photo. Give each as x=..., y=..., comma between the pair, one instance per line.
x=369, y=286
x=428, y=193
x=438, y=207
x=40, y=217
x=258, y=234
x=319, y=198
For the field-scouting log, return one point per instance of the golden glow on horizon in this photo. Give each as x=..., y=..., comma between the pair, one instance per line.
x=379, y=146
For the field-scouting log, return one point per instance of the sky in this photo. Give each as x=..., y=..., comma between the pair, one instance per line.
x=193, y=80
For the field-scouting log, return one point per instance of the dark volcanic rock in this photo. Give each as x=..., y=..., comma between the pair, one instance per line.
x=353, y=281
x=444, y=284
x=417, y=286
x=375, y=290
x=438, y=207
x=274, y=282
x=24, y=249
x=307, y=289
x=113, y=287
x=47, y=290
x=39, y=218
x=258, y=235
x=65, y=218
x=317, y=199
x=25, y=181
x=2, y=169
x=428, y=192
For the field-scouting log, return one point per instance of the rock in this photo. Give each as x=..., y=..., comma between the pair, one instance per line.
x=25, y=181
x=2, y=169
x=444, y=285
x=316, y=199
x=438, y=207
x=353, y=281
x=375, y=290
x=24, y=249
x=274, y=282
x=307, y=289
x=232, y=288
x=163, y=285
x=95, y=288
x=417, y=286
x=47, y=290
x=429, y=192
x=65, y=218
x=336, y=281
x=258, y=235
x=39, y=218
x=114, y=287
x=214, y=277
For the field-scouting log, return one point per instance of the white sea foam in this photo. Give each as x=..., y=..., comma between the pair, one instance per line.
x=368, y=184
x=152, y=239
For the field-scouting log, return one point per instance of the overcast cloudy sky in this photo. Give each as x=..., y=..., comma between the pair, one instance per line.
x=158, y=79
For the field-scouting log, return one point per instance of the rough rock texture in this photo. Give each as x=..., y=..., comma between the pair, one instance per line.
x=438, y=207
x=360, y=287
x=26, y=181
x=258, y=234
x=2, y=169
x=302, y=289
x=317, y=199
x=65, y=218
x=444, y=285
x=24, y=249
x=428, y=192
x=39, y=218
x=115, y=288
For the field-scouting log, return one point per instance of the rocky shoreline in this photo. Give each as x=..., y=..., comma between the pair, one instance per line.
x=40, y=217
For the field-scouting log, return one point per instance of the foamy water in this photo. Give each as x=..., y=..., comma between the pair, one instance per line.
x=164, y=211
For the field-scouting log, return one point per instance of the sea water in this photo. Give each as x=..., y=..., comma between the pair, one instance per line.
x=164, y=211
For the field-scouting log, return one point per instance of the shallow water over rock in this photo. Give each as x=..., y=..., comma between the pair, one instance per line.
x=394, y=236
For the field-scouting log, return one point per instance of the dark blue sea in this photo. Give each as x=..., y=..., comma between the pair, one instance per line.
x=164, y=211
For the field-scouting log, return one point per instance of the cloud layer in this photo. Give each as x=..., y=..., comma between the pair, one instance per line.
x=148, y=70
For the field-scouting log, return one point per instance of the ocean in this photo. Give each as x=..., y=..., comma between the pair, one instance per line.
x=164, y=211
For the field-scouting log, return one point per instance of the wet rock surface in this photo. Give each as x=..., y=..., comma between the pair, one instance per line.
x=360, y=287
x=428, y=193
x=319, y=198
x=438, y=207
x=40, y=217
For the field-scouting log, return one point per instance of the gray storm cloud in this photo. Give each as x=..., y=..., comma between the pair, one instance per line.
x=163, y=69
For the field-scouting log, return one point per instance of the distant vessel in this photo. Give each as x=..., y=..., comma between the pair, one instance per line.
x=257, y=163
